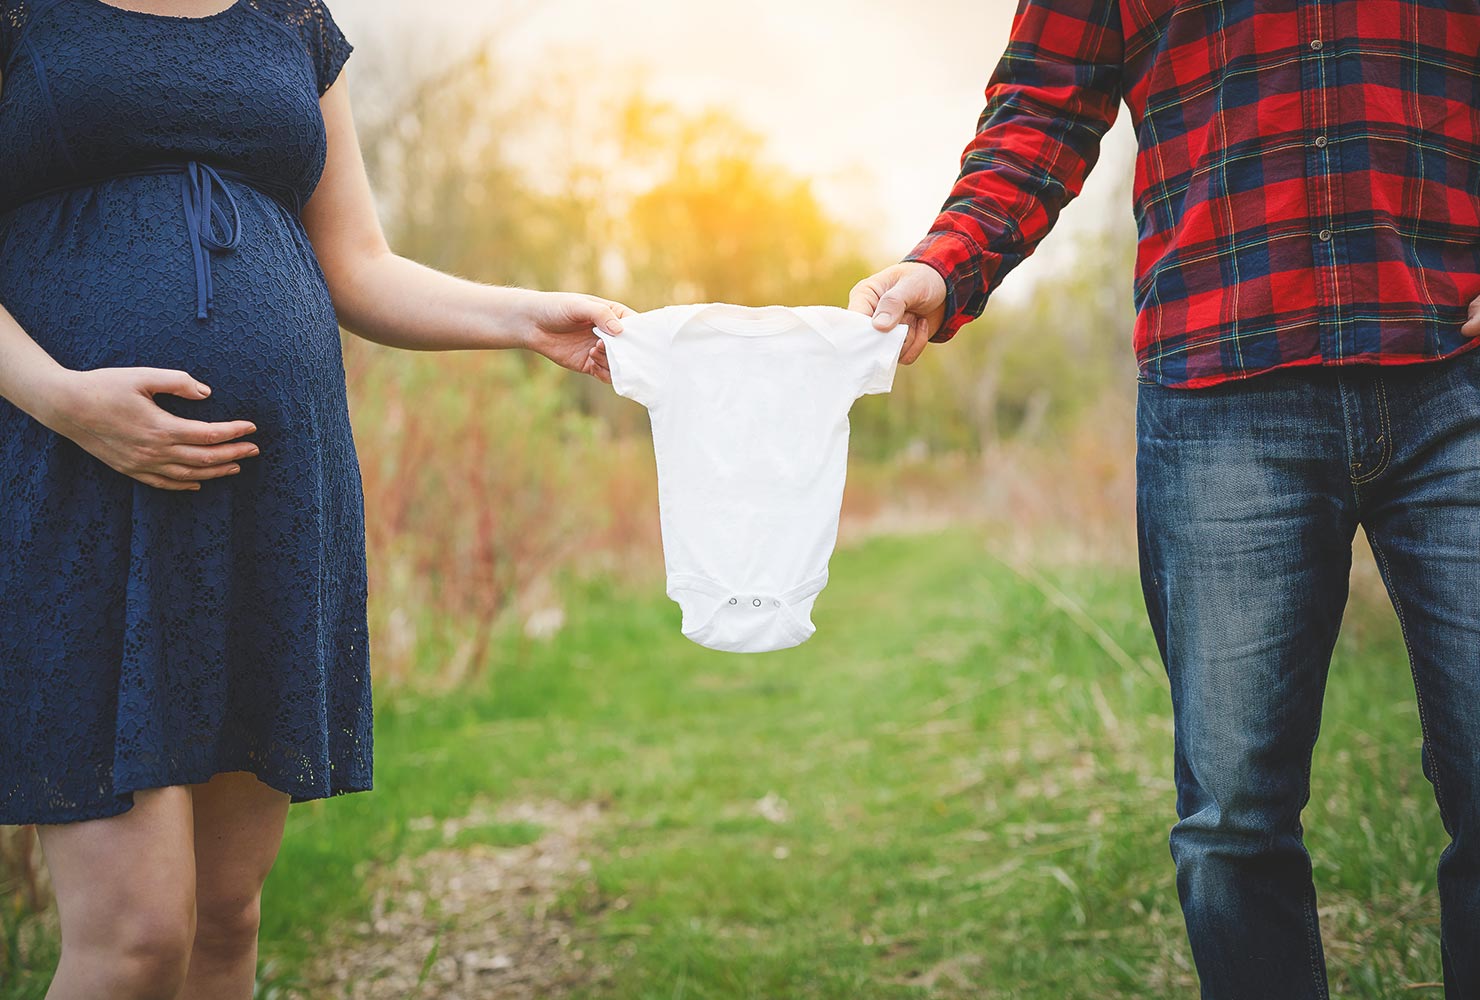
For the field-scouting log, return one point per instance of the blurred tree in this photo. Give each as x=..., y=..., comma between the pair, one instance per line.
x=1026, y=369
x=485, y=473
x=720, y=223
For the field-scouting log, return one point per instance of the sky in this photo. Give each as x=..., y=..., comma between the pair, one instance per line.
x=875, y=99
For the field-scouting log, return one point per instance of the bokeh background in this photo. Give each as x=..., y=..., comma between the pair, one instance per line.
x=961, y=787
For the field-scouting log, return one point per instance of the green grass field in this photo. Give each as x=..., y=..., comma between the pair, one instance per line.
x=967, y=785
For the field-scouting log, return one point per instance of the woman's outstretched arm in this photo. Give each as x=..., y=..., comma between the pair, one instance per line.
x=391, y=300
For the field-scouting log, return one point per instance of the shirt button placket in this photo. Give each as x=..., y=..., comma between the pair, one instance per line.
x=1321, y=183
x=1316, y=45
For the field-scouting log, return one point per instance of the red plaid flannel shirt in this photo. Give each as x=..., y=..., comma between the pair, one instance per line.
x=1307, y=185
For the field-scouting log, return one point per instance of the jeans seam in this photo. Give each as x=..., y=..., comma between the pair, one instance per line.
x=1423, y=715
x=1312, y=917
x=1384, y=435
x=1346, y=420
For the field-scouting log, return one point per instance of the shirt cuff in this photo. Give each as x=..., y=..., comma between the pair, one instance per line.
x=967, y=270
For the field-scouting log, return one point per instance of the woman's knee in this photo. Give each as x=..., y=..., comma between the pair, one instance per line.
x=227, y=922
x=144, y=955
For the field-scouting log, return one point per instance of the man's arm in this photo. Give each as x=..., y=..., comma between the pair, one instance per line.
x=1053, y=96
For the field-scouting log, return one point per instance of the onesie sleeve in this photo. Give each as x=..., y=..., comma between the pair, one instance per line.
x=881, y=361
x=872, y=357
x=326, y=44
x=639, y=355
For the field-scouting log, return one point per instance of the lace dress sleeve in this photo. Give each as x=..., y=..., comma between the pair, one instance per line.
x=12, y=19
x=327, y=44
x=311, y=22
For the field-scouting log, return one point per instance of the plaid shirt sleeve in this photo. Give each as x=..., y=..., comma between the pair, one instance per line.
x=1053, y=96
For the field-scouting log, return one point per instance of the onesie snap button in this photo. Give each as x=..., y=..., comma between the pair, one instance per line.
x=757, y=602
x=734, y=600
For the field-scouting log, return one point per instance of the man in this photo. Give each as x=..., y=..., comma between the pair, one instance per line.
x=1308, y=201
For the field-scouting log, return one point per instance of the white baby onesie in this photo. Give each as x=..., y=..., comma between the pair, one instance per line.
x=749, y=409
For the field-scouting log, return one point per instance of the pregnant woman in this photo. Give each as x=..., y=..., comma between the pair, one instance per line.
x=185, y=222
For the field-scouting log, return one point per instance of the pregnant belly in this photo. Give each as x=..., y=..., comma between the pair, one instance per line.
x=105, y=277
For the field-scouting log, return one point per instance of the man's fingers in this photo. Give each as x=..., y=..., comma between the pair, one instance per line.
x=899, y=304
x=205, y=457
x=1472, y=325
x=916, y=341
x=182, y=431
x=864, y=298
x=175, y=383
x=892, y=309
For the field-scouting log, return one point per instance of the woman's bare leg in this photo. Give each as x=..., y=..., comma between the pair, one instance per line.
x=238, y=830
x=125, y=889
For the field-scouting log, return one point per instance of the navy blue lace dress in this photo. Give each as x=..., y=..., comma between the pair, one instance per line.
x=152, y=171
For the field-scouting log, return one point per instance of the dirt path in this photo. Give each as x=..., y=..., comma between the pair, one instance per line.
x=470, y=923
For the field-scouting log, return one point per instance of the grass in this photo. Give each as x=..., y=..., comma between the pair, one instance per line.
x=966, y=778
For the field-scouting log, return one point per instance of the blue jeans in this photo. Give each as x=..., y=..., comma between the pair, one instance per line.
x=1248, y=498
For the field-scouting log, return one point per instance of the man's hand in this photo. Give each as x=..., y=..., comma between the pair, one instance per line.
x=910, y=293
x=1472, y=325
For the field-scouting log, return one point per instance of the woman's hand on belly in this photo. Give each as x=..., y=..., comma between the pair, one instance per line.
x=111, y=414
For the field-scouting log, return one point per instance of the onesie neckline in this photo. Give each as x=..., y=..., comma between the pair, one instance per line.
x=750, y=321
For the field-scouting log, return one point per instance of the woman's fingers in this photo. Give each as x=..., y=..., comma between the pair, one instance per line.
x=196, y=451
x=205, y=457
x=597, y=365
x=175, y=383
x=607, y=316
x=181, y=431
x=195, y=474
x=161, y=483
x=610, y=321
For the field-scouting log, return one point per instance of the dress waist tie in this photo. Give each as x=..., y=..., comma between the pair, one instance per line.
x=199, y=183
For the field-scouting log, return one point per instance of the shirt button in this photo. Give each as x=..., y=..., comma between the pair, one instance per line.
x=1316, y=44
x=1325, y=235
x=756, y=602
x=1321, y=142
